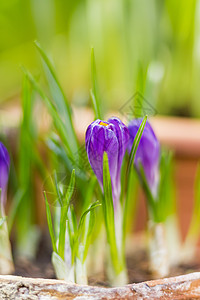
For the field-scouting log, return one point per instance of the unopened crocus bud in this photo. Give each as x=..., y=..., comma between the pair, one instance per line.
x=111, y=137
x=148, y=153
x=6, y=261
x=4, y=172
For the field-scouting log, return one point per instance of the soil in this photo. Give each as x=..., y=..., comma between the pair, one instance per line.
x=137, y=264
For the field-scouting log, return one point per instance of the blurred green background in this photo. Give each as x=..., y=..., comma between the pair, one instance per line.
x=147, y=46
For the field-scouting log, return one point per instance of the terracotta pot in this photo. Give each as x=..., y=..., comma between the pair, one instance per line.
x=181, y=287
x=182, y=136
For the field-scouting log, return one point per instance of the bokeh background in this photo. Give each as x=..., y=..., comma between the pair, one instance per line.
x=147, y=46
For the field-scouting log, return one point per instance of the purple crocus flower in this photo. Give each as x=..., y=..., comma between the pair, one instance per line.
x=4, y=172
x=148, y=153
x=111, y=137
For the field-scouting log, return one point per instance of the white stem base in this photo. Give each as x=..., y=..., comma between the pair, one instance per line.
x=6, y=261
x=96, y=254
x=158, y=252
x=81, y=272
x=62, y=270
x=173, y=240
x=114, y=279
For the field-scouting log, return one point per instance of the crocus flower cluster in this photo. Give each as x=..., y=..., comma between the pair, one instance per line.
x=115, y=138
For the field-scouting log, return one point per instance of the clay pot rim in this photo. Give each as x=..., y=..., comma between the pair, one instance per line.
x=179, y=287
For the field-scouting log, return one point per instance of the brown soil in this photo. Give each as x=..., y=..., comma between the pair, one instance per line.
x=137, y=267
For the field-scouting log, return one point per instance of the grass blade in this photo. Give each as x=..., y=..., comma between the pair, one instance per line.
x=136, y=143
x=93, y=91
x=129, y=174
x=59, y=99
x=58, y=123
x=108, y=210
x=81, y=223
x=151, y=201
x=15, y=204
x=64, y=218
x=50, y=225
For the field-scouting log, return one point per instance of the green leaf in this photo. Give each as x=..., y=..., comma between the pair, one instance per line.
x=108, y=211
x=91, y=207
x=91, y=228
x=80, y=226
x=136, y=143
x=140, y=84
x=88, y=230
x=58, y=192
x=93, y=91
x=58, y=123
x=64, y=217
x=50, y=225
x=14, y=207
x=166, y=198
x=89, y=194
x=2, y=220
x=70, y=191
x=59, y=99
x=130, y=204
x=72, y=231
x=24, y=206
x=152, y=204
x=129, y=174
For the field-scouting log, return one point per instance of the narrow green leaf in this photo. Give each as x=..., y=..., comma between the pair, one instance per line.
x=70, y=191
x=90, y=191
x=72, y=230
x=50, y=225
x=151, y=201
x=166, y=198
x=58, y=123
x=140, y=84
x=14, y=207
x=2, y=220
x=93, y=91
x=130, y=204
x=108, y=210
x=91, y=207
x=89, y=231
x=91, y=228
x=64, y=217
x=24, y=206
x=136, y=143
x=58, y=192
x=59, y=98
x=129, y=173
x=81, y=222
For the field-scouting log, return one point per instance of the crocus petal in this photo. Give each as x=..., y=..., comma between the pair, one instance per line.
x=4, y=171
x=110, y=137
x=100, y=139
x=148, y=152
x=122, y=135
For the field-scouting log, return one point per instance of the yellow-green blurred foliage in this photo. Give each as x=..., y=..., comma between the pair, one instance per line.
x=147, y=46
